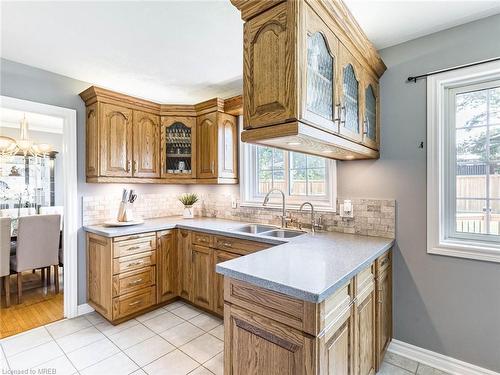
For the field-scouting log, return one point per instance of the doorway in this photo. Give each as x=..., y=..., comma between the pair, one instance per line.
x=39, y=179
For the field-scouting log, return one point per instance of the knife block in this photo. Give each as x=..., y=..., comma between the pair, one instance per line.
x=125, y=212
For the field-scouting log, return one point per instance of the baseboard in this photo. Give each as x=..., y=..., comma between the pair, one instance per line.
x=84, y=308
x=436, y=360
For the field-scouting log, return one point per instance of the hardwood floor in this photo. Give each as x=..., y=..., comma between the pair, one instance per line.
x=40, y=305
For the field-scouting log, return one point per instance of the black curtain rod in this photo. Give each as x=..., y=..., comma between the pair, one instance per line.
x=415, y=78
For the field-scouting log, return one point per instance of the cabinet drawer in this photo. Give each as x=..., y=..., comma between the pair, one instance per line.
x=202, y=239
x=133, y=237
x=133, y=302
x=134, y=262
x=383, y=262
x=134, y=280
x=134, y=246
x=238, y=246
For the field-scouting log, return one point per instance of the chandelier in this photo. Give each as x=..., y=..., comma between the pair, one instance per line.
x=24, y=145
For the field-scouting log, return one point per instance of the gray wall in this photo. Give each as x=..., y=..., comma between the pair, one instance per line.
x=29, y=83
x=444, y=304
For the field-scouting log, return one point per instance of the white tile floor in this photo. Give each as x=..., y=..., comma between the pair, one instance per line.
x=175, y=340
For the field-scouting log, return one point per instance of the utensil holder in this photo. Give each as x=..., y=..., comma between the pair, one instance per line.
x=125, y=212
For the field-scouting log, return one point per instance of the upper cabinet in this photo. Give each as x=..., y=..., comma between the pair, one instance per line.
x=306, y=68
x=178, y=147
x=137, y=141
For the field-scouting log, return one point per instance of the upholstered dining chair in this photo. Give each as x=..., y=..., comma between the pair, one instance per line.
x=59, y=210
x=5, y=256
x=37, y=247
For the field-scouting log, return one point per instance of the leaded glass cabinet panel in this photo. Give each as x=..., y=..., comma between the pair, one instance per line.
x=350, y=88
x=178, y=147
x=320, y=77
x=370, y=126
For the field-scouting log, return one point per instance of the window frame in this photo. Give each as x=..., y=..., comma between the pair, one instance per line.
x=442, y=237
x=250, y=198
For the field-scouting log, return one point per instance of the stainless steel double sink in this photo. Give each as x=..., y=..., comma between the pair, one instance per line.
x=269, y=231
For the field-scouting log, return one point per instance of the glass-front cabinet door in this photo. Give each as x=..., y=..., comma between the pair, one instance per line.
x=371, y=112
x=350, y=108
x=320, y=75
x=178, y=147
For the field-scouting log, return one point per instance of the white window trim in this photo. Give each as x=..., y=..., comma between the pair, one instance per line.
x=247, y=198
x=438, y=240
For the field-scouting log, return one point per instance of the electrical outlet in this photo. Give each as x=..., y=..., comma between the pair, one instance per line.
x=234, y=203
x=346, y=209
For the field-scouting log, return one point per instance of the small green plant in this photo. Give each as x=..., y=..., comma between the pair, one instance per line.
x=188, y=199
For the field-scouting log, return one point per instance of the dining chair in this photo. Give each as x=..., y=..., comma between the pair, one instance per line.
x=5, y=256
x=37, y=247
x=59, y=210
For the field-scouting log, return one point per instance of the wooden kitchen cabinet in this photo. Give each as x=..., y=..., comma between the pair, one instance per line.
x=167, y=261
x=178, y=147
x=294, y=52
x=131, y=140
x=116, y=140
x=350, y=75
x=184, y=247
x=371, y=111
x=146, y=141
x=218, y=292
x=217, y=148
x=202, y=276
x=384, y=307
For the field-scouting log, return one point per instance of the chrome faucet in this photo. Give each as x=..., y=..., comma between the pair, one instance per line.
x=283, y=215
x=314, y=225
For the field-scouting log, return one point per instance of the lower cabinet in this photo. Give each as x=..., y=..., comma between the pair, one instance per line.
x=202, y=276
x=383, y=314
x=335, y=346
x=167, y=260
x=184, y=263
x=259, y=345
x=219, y=257
x=337, y=336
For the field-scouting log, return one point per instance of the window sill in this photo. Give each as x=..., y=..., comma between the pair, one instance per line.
x=292, y=206
x=467, y=249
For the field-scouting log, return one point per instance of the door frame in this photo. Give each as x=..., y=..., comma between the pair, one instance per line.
x=70, y=220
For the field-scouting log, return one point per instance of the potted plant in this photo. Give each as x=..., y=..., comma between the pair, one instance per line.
x=188, y=200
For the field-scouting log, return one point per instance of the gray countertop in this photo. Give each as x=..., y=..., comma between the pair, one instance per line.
x=310, y=267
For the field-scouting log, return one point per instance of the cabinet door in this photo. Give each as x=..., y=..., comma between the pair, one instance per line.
x=203, y=276
x=350, y=76
x=371, y=113
x=184, y=262
x=383, y=314
x=364, y=350
x=220, y=256
x=178, y=147
x=227, y=146
x=336, y=346
x=167, y=261
x=116, y=141
x=319, y=82
x=207, y=145
x=256, y=345
x=269, y=83
x=92, y=142
x=146, y=145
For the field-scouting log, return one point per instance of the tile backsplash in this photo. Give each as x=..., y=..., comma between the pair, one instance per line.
x=372, y=217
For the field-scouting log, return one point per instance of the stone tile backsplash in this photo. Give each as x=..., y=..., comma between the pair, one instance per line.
x=371, y=217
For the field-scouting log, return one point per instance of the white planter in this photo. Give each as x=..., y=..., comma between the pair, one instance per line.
x=188, y=212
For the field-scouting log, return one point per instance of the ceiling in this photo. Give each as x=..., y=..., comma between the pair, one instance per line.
x=182, y=51
x=11, y=118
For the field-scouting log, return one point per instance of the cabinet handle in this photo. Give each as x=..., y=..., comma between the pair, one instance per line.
x=337, y=111
x=136, y=263
x=134, y=166
x=365, y=127
x=212, y=167
x=133, y=248
x=135, y=282
x=342, y=114
x=129, y=165
x=134, y=303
